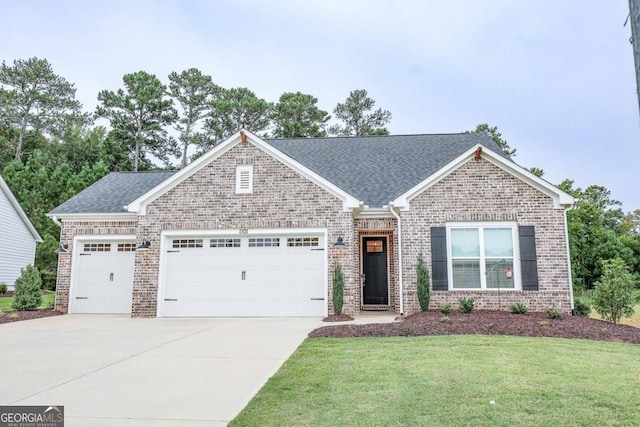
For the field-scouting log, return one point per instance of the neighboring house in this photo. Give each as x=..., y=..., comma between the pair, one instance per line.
x=255, y=227
x=18, y=238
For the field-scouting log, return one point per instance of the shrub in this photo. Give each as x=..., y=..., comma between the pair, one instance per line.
x=581, y=307
x=423, y=284
x=614, y=295
x=444, y=319
x=518, y=308
x=445, y=309
x=27, y=294
x=467, y=305
x=338, y=290
x=3, y=288
x=554, y=313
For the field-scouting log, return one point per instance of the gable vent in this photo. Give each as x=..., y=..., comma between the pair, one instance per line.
x=244, y=179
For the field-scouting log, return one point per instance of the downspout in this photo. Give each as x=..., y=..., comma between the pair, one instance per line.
x=400, y=286
x=566, y=238
x=56, y=221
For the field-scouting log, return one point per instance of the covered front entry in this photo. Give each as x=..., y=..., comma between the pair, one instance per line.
x=261, y=273
x=375, y=272
x=103, y=276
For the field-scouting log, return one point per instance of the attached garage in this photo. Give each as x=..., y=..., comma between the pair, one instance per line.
x=269, y=273
x=103, y=276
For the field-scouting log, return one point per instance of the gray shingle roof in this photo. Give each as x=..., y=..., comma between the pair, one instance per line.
x=112, y=193
x=374, y=169
x=378, y=169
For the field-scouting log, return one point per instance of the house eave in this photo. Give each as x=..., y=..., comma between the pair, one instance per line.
x=372, y=213
x=102, y=217
x=16, y=206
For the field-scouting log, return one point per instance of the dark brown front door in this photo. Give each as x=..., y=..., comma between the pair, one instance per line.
x=375, y=286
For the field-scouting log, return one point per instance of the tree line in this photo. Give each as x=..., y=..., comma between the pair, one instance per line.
x=51, y=149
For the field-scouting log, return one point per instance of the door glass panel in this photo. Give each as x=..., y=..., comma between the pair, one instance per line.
x=374, y=246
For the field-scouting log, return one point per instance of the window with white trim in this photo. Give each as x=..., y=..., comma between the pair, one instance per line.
x=302, y=241
x=244, y=179
x=97, y=247
x=483, y=256
x=186, y=243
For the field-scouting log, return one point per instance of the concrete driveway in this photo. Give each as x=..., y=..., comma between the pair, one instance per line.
x=119, y=371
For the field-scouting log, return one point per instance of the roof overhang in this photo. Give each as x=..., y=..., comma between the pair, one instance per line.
x=561, y=200
x=16, y=206
x=102, y=217
x=139, y=205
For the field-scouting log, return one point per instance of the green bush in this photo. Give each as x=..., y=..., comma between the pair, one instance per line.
x=554, y=313
x=581, y=307
x=338, y=289
x=518, y=308
x=467, y=305
x=614, y=295
x=3, y=288
x=444, y=319
x=27, y=295
x=445, y=309
x=423, y=284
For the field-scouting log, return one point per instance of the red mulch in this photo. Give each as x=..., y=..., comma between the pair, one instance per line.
x=484, y=322
x=16, y=316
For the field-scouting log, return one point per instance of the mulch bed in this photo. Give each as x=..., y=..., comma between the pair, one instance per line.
x=484, y=322
x=16, y=316
x=338, y=318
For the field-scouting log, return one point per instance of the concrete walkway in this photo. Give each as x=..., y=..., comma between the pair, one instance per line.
x=119, y=371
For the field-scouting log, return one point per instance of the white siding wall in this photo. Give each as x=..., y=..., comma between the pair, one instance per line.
x=17, y=245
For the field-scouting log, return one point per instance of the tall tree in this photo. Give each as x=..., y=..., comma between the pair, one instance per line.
x=33, y=97
x=235, y=109
x=358, y=116
x=497, y=138
x=296, y=115
x=194, y=92
x=138, y=116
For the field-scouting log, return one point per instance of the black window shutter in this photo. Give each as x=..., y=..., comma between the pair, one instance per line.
x=439, y=258
x=528, y=260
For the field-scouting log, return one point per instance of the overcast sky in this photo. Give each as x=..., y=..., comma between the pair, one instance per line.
x=556, y=77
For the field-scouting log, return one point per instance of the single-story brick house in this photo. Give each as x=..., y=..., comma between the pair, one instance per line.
x=18, y=238
x=255, y=227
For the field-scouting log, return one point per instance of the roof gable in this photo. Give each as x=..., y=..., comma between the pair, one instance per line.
x=139, y=205
x=16, y=206
x=559, y=197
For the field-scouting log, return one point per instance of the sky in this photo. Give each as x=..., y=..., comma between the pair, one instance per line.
x=556, y=77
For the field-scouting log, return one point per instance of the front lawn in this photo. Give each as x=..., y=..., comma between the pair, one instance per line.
x=48, y=300
x=451, y=381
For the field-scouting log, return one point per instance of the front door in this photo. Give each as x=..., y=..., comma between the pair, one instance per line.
x=375, y=280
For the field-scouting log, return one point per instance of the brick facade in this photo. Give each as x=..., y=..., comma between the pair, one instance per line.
x=282, y=198
x=480, y=192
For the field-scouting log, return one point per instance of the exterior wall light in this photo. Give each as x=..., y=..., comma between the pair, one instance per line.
x=144, y=246
x=63, y=248
x=340, y=242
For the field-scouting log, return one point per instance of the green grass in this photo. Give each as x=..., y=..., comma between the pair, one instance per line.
x=451, y=381
x=47, y=301
x=632, y=321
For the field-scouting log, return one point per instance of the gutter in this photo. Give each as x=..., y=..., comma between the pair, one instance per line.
x=400, y=284
x=566, y=238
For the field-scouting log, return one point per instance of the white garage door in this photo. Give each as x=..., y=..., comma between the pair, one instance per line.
x=244, y=276
x=104, y=277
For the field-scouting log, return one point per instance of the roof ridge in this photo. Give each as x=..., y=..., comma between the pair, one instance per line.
x=377, y=136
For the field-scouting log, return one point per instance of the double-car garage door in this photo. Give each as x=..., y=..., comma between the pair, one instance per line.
x=271, y=274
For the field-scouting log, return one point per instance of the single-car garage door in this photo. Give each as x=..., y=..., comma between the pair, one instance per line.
x=104, y=277
x=261, y=275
